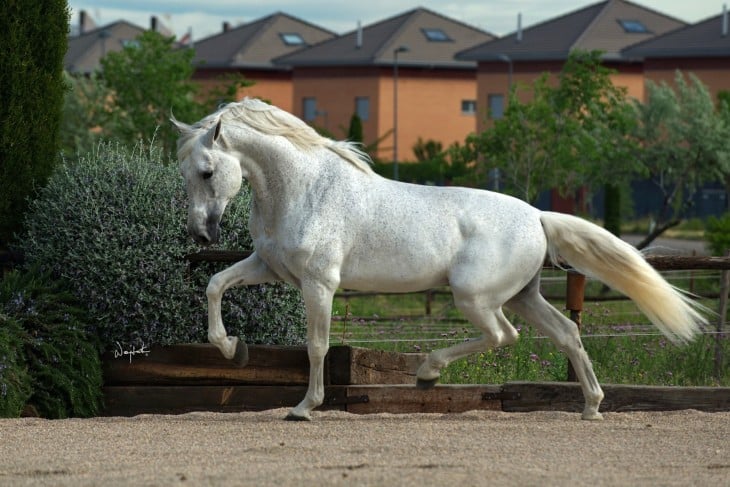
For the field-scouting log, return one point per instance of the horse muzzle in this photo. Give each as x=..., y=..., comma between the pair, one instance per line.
x=206, y=236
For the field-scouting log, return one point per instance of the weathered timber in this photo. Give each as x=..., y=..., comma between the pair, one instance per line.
x=212, y=255
x=134, y=400
x=685, y=262
x=352, y=365
x=402, y=399
x=203, y=364
x=565, y=396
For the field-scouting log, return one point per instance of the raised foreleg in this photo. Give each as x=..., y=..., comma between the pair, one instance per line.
x=250, y=271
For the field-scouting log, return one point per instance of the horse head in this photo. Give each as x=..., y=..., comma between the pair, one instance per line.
x=212, y=176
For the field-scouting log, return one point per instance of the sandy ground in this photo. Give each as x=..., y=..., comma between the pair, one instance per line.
x=469, y=449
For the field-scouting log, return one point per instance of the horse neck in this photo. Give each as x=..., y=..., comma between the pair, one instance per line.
x=279, y=174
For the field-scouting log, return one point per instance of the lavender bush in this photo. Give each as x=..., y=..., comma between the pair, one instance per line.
x=113, y=224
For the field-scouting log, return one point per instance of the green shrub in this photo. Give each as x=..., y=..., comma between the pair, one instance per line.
x=15, y=381
x=48, y=331
x=717, y=234
x=114, y=225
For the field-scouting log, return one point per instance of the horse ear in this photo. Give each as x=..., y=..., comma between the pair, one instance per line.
x=179, y=126
x=212, y=135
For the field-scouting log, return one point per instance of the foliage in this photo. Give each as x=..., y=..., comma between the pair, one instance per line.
x=434, y=166
x=150, y=79
x=566, y=136
x=85, y=114
x=114, y=224
x=33, y=36
x=354, y=132
x=717, y=234
x=48, y=327
x=15, y=381
x=684, y=144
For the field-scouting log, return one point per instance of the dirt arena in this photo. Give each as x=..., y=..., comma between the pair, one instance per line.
x=468, y=449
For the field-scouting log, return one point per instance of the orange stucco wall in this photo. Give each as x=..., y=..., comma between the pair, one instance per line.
x=714, y=73
x=493, y=78
x=272, y=86
x=429, y=104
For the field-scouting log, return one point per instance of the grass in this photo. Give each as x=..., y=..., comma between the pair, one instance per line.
x=623, y=346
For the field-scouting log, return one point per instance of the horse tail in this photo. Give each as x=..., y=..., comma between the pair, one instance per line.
x=596, y=252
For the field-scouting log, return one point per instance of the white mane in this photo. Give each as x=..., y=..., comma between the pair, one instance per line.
x=271, y=120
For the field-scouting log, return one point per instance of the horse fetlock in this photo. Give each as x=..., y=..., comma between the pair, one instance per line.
x=227, y=345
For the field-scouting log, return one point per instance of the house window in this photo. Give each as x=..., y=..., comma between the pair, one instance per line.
x=468, y=107
x=634, y=27
x=309, y=108
x=292, y=39
x=362, y=107
x=436, y=35
x=496, y=106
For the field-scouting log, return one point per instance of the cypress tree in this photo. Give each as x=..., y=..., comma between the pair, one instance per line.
x=33, y=42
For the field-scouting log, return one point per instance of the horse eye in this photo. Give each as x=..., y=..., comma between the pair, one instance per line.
x=207, y=174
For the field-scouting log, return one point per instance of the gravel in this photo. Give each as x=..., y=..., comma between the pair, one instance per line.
x=474, y=448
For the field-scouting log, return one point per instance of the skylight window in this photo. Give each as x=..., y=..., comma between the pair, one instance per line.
x=292, y=39
x=436, y=35
x=634, y=26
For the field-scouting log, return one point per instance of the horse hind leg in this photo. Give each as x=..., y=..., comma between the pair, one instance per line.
x=565, y=334
x=496, y=330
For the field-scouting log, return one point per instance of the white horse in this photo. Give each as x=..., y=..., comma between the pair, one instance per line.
x=321, y=219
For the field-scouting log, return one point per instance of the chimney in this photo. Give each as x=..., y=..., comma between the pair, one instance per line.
x=82, y=21
x=153, y=24
x=358, y=38
x=519, y=27
x=226, y=26
x=724, y=20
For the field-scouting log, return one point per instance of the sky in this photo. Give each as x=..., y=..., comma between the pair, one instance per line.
x=498, y=17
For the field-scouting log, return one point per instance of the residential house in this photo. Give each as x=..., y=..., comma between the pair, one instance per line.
x=702, y=48
x=609, y=26
x=249, y=49
x=398, y=75
x=86, y=50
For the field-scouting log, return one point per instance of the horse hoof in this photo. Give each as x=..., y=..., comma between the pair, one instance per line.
x=294, y=417
x=426, y=384
x=241, y=356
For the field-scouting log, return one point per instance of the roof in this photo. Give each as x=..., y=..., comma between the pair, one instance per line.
x=255, y=44
x=703, y=39
x=608, y=26
x=431, y=40
x=85, y=50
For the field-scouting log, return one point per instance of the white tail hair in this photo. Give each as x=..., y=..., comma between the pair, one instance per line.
x=597, y=253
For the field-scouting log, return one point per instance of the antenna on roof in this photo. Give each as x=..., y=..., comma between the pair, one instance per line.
x=358, y=38
x=724, y=20
x=519, y=27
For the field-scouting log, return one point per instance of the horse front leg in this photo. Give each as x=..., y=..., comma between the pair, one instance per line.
x=247, y=272
x=318, y=303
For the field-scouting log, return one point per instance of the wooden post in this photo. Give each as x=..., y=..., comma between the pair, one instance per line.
x=724, y=285
x=575, y=291
x=429, y=301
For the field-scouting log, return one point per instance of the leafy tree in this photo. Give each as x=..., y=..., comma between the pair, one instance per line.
x=566, y=136
x=354, y=133
x=684, y=137
x=149, y=79
x=33, y=36
x=85, y=114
